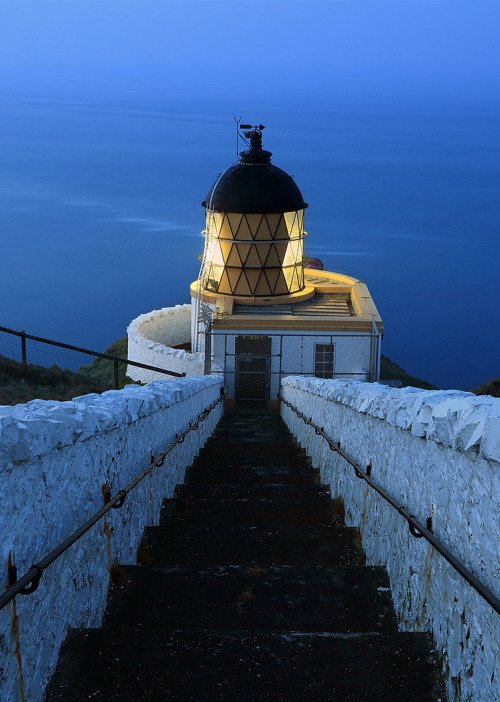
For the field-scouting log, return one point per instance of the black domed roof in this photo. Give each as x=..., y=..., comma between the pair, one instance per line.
x=254, y=185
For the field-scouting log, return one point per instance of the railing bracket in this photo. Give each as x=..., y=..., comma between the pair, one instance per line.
x=413, y=530
x=34, y=582
x=359, y=473
x=120, y=502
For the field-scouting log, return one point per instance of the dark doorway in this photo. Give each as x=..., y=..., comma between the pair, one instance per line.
x=253, y=371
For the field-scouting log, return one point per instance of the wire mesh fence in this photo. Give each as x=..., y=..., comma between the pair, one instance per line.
x=32, y=367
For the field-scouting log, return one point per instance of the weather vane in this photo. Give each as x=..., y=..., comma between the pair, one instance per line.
x=248, y=129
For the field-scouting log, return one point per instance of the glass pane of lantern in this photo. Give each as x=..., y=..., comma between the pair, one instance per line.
x=234, y=219
x=214, y=222
x=300, y=220
x=218, y=259
x=243, y=230
x=214, y=253
x=281, y=286
x=291, y=224
x=225, y=230
x=253, y=259
x=281, y=248
x=263, y=251
x=299, y=247
x=252, y=275
x=288, y=273
x=225, y=248
x=234, y=259
x=254, y=221
x=282, y=230
x=262, y=286
x=300, y=277
x=289, y=259
x=243, y=250
x=224, y=287
x=294, y=285
x=274, y=224
x=272, y=275
x=272, y=258
x=243, y=288
x=214, y=274
x=233, y=275
x=263, y=232
x=293, y=249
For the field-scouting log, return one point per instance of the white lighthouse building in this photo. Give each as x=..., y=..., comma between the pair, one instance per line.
x=260, y=310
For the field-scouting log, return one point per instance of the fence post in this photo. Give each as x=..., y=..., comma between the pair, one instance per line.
x=23, y=352
x=115, y=373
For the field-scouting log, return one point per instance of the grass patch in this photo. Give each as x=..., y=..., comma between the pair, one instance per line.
x=103, y=369
x=19, y=385
x=54, y=383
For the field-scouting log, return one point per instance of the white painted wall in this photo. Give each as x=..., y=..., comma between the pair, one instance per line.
x=54, y=459
x=150, y=338
x=437, y=453
x=352, y=354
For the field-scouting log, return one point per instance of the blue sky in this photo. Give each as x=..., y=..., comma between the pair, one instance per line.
x=279, y=48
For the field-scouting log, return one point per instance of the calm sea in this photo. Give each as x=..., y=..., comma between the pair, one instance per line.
x=100, y=215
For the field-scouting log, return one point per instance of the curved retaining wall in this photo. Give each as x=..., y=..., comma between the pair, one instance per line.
x=55, y=458
x=438, y=454
x=150, y=340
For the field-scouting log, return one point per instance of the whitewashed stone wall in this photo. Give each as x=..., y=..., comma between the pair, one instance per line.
x=150, y=340
x=55, y=458
x=438, y=454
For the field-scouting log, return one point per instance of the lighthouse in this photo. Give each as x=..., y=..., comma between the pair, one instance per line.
x=254, y=228
x=259, y=311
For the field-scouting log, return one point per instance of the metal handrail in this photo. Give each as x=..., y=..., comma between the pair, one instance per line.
x=29, y=582
x=416, y=528
x=23, y=335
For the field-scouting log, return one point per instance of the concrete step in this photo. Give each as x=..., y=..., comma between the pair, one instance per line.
x=252, y=472
x=310, y=598
x=243, y=425
x=234, y=441
x=225, y=491
x=273, y=445
x=204, y=666
x=258, y=458
x=250, y=512
x=202, y=546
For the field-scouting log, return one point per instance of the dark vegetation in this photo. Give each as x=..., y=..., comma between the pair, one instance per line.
x=492, y=387
x=391, y=371
x=54, y=383
x=103, y=370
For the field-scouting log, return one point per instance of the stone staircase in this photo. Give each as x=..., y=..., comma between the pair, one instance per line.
x=249, y=589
